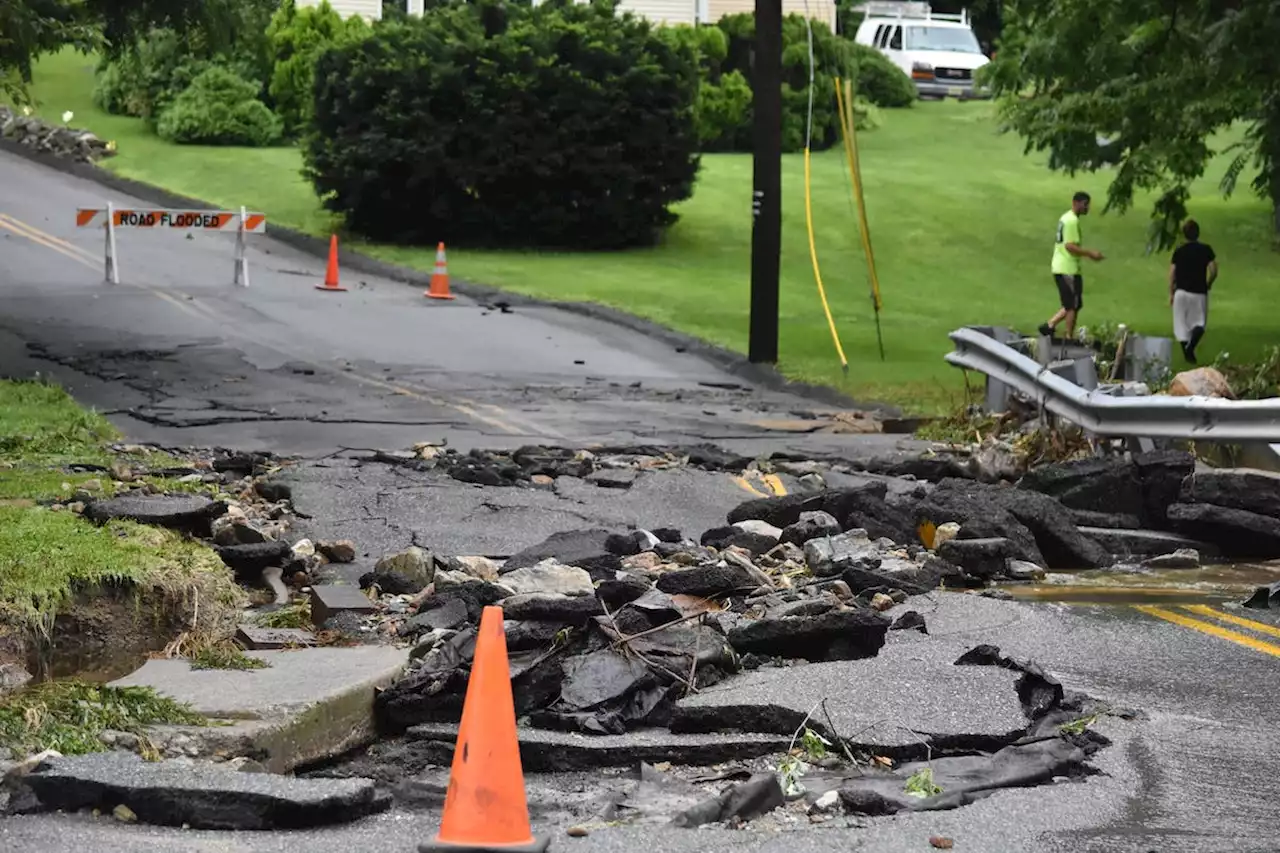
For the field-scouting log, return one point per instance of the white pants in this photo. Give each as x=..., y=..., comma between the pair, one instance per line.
x=1189, y=310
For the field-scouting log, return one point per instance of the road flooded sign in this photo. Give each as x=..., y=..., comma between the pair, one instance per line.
x=187, y=220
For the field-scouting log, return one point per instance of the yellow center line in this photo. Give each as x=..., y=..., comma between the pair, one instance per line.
x=5, y=224
x=743, y=483
x=1260, y=627
x=26, y=226
x=1210, y=629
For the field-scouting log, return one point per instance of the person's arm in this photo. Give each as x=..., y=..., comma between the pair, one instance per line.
x=1072, y=240
x=1212, y=270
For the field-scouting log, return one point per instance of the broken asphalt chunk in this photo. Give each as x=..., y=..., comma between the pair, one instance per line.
x=716, y=579
x=568, y=610
x=835, y=635
x=188, y=513
x=747, y=800
x=328, y=600
x=253, y=558
x=1264, y=597
x=201, y=796
x=585, y=549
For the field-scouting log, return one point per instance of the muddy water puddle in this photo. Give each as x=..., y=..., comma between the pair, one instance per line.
x=1232, y=582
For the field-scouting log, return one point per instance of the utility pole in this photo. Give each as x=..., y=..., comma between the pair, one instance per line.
x=766, y=197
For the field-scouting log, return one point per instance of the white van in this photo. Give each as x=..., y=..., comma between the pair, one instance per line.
x=939, y=52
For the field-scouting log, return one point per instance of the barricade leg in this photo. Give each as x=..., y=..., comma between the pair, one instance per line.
x=112, y=270
x=242, y=266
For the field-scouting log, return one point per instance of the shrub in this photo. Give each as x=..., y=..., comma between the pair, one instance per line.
x=219, y=108
x=297, y=38
x=497, y=124
x=723, y=114
x=880, y=81
x=145, y=79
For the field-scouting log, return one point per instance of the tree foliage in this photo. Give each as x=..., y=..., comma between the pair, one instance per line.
x=1143, y=86
x=296, y=39
x=500, y=124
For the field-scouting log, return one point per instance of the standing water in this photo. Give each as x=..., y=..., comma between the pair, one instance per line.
x=1229, y=582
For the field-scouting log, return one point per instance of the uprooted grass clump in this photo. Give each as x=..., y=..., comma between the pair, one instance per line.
x=70, y=716
x=47, y=556
x=289, y=616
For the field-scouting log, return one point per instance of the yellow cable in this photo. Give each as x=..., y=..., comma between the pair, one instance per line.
x=849, y=131
x=813, y=254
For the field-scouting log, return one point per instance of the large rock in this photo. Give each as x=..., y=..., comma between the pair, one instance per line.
x=830, y=555
x=1038, y=527
x=1201, y=382
x=199, y=796
x=1238, y=488
x=786, y=510
x=1238, y=532
x=884, y=575
x=550, y=576
x=414, y=563
x=835, y=635
x=189, y=513
x=585, y=549
x=810, y=526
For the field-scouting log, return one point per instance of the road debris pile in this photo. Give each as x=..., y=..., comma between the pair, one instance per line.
x=54, y=139
x=1125, y=503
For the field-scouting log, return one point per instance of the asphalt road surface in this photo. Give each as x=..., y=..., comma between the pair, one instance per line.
x=179, y=356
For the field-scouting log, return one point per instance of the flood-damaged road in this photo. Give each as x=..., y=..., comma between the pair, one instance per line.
x=180, y=357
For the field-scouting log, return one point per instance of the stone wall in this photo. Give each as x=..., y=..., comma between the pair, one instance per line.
x=52, y=139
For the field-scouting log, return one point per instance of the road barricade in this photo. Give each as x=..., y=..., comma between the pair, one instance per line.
x=111, y=218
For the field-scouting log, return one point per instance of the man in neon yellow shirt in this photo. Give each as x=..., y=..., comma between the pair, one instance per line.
x=1067, y=252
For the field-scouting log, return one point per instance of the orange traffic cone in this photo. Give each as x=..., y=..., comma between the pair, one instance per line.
x=331, y=274
x=439, y=277
x=485, y=808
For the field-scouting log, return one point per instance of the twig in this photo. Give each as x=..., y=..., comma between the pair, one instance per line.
x=622, y=639
x=835, y=733
x=643, y=658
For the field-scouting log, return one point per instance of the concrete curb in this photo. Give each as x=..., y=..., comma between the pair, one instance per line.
x=727, y=360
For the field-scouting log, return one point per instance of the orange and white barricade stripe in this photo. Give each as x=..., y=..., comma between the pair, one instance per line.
x=111, y=218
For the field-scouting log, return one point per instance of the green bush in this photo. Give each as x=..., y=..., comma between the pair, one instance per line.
x=499, y=124
x=219, y=108
x=297, y=38
x=880, y=81
x=723, y=114
x=145, y=79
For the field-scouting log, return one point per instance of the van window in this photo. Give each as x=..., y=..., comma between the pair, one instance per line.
x=875, y=39
x=958, y=39
x=895, y=43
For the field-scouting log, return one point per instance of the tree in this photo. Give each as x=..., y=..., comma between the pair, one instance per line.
x=29, y=28
x=1143, y=86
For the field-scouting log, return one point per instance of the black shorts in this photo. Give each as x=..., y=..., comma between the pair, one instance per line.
x=1070, y=291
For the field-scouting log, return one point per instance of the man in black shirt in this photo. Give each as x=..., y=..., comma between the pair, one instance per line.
x=1191, y=275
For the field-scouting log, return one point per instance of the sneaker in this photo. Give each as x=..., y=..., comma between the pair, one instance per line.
x=1046, y=330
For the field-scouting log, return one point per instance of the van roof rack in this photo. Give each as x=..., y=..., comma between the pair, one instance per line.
x=909, y=9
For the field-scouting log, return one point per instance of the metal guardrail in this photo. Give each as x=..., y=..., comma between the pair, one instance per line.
x=1157, y=416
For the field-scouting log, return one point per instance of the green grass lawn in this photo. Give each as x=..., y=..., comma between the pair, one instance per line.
x=962, y=224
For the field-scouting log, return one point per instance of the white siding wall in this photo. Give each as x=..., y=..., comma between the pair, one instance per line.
x=663, y=11
x=370, y=10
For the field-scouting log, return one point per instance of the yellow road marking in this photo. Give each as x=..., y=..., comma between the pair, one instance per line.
x=775, y=484
x=196, y=309
x=40, y=241
x=26, y=226
x=744, y=484
x=1210, y=629
x=1260, y=627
